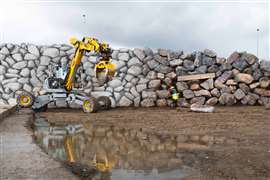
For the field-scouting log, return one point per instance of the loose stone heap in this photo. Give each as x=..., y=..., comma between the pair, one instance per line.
x=240, y=78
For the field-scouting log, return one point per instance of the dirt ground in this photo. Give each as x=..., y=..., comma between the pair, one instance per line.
x=238, y=137
x=20, y=157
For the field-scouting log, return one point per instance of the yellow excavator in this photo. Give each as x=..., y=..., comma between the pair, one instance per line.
x=59, y=85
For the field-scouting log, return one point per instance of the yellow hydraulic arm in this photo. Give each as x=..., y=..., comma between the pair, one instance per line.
x=86, y=45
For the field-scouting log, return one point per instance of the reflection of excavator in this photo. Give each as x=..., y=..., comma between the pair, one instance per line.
x=103, y=166
x=58, y=86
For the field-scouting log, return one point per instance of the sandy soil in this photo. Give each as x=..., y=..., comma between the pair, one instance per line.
x=238, y=137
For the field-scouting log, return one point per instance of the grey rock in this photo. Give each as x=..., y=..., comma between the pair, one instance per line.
x=233, y=57
x=148, y=51
x=154, y=84
x=239, y=94
x=27, y=88
x=23, y=80
x=249, y=58
x=188, y=64
x=29, y=56
x=163, y=69
x=264, y=82
x=17, y=57
x=257, y=74
x=14, y=86
x=134, y=61
x=51, y=52
x=176, y=62
x=123, y=56
x=265, y=65
x=149, y=94
x=188, y=94
x=202, y=92
x=212, y=101
x=161, y=103
x=152, y=64
x=114, y=83
x=31, y=64
x=198, y=100
x=225, y=76
x=2, y=57
x=139, y=53
x=4, y=50
x=135, y=70
x=208, y=84
x=125, y=102
x=163, y=52
x=129, y=96
x=151, y=75
x=44, y=60
x=33, y=50
x=240, y=64
x=97, y=94
x=134, y=92
x=137, y=101
x=20, y=65
x=254, y=85
x=117, y=96
x=250, y=99
x=227, y=99
x=115, y=54
x=215, y=92
x=129, y=77
x=213, y=69
x=35, y=82
x=201, y=69
x=181, y=86
x=148, y=102
x=171, y=75
x=141, y=87
x=2, y=70
x=163, y=94
x=10, y=61
x=209, y=53
x=160, y=76
x=161, y=59
x=180, y=71
x=244, y=87
x=143, y=81
x=208, y=61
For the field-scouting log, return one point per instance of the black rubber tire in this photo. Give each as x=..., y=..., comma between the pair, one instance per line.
x=41, y=109
x=94, y=105
x=104, y=102
x=27, y=94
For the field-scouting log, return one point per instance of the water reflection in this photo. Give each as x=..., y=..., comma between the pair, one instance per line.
x=117, y=153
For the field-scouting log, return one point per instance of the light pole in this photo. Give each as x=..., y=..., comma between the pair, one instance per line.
x=258, y=30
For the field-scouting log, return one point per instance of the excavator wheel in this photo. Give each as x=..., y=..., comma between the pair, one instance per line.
x=90, y=105
x=25, y=99
x=104, y=102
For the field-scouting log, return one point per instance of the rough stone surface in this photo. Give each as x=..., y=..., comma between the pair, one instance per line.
x=51, y=52
x=245, y=78
x=227, y=99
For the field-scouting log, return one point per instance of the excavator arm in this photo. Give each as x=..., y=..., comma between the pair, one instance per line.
x=89, y=44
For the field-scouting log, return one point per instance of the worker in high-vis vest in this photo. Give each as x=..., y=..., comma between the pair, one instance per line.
x=174, y=95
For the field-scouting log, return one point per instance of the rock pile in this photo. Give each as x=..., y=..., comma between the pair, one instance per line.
x=141, y=73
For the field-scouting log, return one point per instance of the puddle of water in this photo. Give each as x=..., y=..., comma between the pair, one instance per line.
x=116, y=153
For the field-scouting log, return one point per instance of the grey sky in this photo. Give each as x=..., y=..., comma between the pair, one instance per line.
x=222, y=26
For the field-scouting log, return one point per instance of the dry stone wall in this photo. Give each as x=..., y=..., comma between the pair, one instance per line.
x=141, y=75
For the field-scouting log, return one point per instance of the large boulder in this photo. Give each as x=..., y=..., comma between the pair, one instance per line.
x=233, y=57
x=29, y=56
x=188, y=94
x=124, y=102
x=20, y=65
x=134, y=61
x=33, y=50
x=14, y=86
x=240, y=64
x=2, y=70
x=123, y=56
x=148, y=102
x=17, y=57
x=239, y=94
x=245, y=78
x=176, y=62
x=4, y=51
x=44, y=60
x=154, y=84
x=265, y=65
x=227, y=99
x=149, y=94
x=181, y=86
x=210, y=53
x=139, y=53
x=163, y=94
x=51, y=52
x=135, y=70
x=208, y=84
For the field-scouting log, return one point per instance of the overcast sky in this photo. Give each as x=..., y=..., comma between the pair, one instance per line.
x=224, y=26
